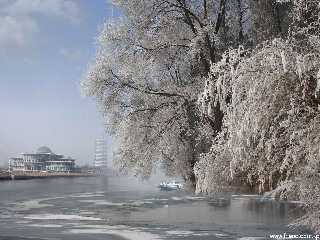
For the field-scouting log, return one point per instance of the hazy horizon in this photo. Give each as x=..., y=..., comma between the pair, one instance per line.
x=45, y=48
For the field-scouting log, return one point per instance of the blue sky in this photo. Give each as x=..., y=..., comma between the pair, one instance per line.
x=45, y=47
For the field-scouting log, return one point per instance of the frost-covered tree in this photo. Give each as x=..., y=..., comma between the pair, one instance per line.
x=148, y=73
x=269, y=96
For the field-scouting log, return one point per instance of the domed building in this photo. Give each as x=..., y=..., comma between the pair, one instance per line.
x=42, y=160
x=43, y=150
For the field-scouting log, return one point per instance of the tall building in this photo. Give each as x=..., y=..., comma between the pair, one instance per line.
x=43, y=160
x=100, y=157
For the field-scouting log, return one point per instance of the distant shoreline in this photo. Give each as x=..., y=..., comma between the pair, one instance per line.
x=35, y=174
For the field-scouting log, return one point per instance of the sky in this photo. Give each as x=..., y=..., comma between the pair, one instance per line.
x=45, y=48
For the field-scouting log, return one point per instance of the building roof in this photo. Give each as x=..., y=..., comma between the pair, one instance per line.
x=44, y=150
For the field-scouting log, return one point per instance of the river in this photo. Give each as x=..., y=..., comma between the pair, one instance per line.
x=118, y=208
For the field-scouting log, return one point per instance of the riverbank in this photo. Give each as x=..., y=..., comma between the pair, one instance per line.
x=22, y=175
x=4, y=176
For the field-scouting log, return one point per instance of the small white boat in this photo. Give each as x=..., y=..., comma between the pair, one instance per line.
x=168, y=186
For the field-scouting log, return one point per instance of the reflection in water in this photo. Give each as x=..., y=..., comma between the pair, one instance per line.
x=220, y=202
x=272, y=209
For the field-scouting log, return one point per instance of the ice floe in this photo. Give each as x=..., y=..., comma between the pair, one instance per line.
x=88, y=195
x=177, y=198
x=45, y=225
x=179, y=232
x=60, y=217
x=131, y=203
x=121, y=231
x=156, y=199
x=102, y=202
x=31, y=204
x=195, y=198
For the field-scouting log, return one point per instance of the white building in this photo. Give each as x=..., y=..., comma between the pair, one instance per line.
x=100, y=157
x=43, y=160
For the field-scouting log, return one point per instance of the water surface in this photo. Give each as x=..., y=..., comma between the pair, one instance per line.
x=117, y=208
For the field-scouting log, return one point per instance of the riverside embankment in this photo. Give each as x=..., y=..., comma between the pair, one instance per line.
x=5, y=176
x=23, y=175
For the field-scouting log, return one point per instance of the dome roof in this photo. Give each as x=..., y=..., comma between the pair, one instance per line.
x=43, y=149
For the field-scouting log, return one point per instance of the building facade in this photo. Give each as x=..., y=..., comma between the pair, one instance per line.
x=43, y=160
x=100, y=157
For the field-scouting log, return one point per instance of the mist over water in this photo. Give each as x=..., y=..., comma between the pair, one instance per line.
x=124, y=208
